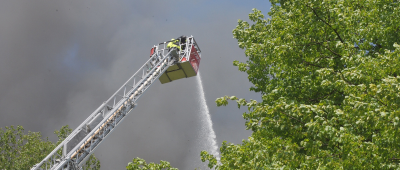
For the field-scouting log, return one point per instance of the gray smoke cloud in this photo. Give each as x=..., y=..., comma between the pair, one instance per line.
x=59, y=60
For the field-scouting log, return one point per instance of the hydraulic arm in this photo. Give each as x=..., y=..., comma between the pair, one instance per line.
x=73, y=152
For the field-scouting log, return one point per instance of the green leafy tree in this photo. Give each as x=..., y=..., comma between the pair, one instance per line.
x=328, y=72
x=139, y=163
x=21, y=151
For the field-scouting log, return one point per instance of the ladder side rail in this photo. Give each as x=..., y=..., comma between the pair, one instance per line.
x=51, y=157
x=146, y=85
x=143, y=85
x=136, y=79
x=136, y=73
x=121, y=104
x=100, y=123
x=54, y=156
x=116, y=107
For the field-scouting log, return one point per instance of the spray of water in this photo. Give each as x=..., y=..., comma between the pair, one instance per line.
x=207, y=131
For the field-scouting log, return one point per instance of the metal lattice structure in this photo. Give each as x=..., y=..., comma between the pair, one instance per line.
x=73, y=152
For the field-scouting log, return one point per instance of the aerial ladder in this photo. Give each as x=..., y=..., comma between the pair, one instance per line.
x=165, y=64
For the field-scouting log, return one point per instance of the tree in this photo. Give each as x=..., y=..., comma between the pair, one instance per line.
x=21, y=151
x=328, y=72
x=139, y=163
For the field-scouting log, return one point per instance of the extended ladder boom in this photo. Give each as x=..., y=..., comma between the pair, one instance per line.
x=73, y=152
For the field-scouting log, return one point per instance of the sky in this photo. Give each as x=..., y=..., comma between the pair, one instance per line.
x=60, y=59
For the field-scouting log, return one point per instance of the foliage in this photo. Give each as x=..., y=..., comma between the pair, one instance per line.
x=211, y=159
x=92, y=163
x=328, y=74
x=139, y=163
x=21, y=151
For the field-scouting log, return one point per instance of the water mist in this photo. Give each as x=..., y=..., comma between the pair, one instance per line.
x=207, y=133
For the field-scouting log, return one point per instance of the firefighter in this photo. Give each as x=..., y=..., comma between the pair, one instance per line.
x=174, y=44
x=182, y=39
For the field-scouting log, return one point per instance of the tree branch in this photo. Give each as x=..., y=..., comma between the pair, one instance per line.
x=379, y=101
x=326, y=23
x=329, y=49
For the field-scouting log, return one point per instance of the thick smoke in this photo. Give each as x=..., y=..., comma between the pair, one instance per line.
x=59, y=60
